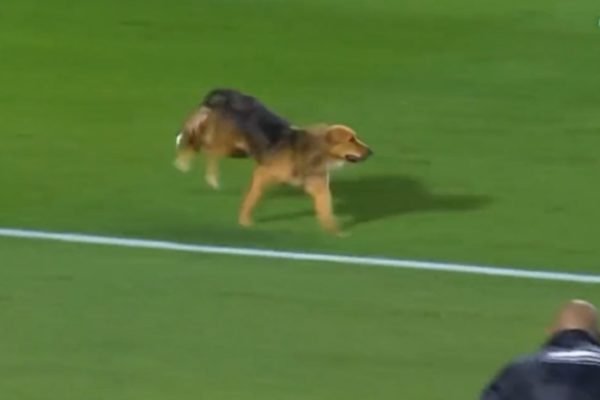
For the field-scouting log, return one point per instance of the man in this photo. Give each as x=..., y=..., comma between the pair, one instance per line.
x=566, y=368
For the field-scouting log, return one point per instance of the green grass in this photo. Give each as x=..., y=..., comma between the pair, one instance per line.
x=105, y=323
x=482, y=117
x=484, y=120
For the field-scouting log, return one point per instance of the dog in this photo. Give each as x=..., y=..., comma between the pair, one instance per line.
x=229, y=123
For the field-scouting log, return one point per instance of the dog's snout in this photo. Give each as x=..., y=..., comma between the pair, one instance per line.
x=369, y=153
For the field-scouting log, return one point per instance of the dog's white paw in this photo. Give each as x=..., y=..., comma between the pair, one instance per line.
x=213, y=182
x=182, y=165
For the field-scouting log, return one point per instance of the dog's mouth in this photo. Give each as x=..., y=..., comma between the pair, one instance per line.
x=352, y=158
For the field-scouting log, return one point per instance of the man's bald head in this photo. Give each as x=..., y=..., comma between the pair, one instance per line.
x=577, y=314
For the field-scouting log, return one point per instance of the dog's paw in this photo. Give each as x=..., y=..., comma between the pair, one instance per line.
x=332, y=227
x=245, y=222
x=213, y=182
x=182, y=165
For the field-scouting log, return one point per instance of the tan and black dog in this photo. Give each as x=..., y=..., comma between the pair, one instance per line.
x=231, y=124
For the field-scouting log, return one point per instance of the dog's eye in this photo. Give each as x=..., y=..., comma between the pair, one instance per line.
x=352, y=139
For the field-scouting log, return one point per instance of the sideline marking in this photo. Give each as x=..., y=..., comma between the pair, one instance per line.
x=291, y=255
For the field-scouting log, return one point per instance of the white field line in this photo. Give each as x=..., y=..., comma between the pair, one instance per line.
x=290, y=255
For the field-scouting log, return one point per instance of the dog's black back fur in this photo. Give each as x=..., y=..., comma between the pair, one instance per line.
x=263, y=128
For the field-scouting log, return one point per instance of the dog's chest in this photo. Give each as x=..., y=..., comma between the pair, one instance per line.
x=333, y=165
x=311, y=167
x=296, y=181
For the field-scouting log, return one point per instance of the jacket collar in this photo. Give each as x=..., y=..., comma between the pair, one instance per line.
x=572, y=338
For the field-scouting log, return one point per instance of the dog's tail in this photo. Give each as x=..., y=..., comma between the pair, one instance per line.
x=190, y=139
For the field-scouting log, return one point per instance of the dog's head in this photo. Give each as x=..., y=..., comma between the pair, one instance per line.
x=344, y=144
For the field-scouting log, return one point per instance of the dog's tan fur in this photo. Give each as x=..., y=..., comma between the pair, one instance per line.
x=304, y=160
x=217, y=137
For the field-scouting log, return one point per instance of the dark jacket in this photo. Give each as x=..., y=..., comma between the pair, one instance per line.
x=566, y=368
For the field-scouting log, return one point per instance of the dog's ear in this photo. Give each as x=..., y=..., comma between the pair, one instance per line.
x=339, y=134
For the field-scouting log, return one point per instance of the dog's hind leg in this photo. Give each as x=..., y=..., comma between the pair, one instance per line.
x=212, y=170
x=183, y=160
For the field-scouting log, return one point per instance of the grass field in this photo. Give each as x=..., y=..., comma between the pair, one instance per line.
x=484, y=119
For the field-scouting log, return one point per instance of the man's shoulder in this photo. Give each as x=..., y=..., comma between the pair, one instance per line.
x=581, y=355
x=584, y=355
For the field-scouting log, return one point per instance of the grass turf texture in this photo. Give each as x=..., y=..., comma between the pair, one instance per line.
x=98, y=323
x=482, y=116
x=484, y=122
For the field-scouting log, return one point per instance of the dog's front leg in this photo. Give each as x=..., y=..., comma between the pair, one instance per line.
x=318, y=189
x=260, y=181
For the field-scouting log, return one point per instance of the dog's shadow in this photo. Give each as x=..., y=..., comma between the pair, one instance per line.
x=377, y=197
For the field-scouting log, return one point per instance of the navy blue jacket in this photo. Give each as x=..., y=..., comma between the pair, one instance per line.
x=566, y=368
